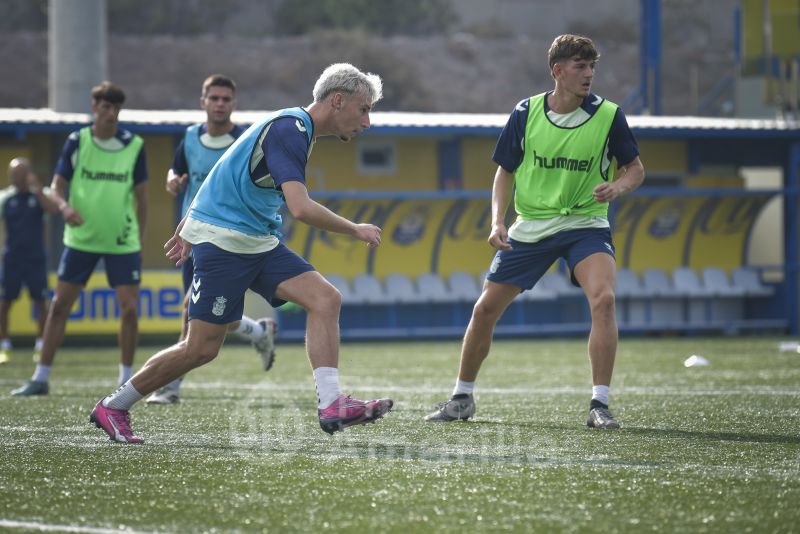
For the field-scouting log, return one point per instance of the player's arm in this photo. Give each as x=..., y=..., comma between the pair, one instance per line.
x=629, y=177
x=140, y=192
x=178, y=248
x=508, y=154
x=501, y=195
x=58, y=191
x=176, y=182
x=45, y=201
x=305, y=209
x=622, y=147
x=178, y=175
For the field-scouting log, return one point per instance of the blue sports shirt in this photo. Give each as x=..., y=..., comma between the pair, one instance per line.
x=23, y=219
x=196, y=155
x=242, y=192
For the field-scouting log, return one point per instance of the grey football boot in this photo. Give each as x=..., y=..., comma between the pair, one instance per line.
x=600, y=417
x=461, y=406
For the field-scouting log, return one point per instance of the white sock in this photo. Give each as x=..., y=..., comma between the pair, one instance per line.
x=175, y=384
x=41, y=374
x=37, y=347
x=600, y=393
x=327, y=379
x=5, y=344
x=122, y=399
x=125, y=373
x=249, y=328
x=463, y=387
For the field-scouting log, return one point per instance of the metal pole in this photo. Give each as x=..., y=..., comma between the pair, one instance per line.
x=791, y=237
x=77, y=56
x=794, y=88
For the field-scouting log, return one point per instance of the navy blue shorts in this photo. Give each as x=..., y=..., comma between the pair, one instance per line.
x=77, y=266
x=32, y=273
x=221, y=279
x=187, y=273
x=525, y=263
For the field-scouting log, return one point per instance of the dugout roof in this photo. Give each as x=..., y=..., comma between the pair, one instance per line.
x=19, y=121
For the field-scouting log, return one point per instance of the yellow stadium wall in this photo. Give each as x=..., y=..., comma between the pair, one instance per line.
x=669, y=157
x=333, y=166
x=161, y=215
x=477, y=167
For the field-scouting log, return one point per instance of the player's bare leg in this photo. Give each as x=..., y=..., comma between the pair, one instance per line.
x=55, y=325
x=322, y=303
x=491, y=304
x=128, y=297
x=597, y=276
x=65, y=296
x=5, y=309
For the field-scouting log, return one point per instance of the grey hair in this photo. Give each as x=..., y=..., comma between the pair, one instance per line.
x=345, y=78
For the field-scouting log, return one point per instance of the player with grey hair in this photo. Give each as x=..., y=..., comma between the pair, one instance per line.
x=346, y=78
x=232, y=231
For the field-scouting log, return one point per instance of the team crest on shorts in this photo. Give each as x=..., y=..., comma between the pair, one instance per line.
x=219, y=306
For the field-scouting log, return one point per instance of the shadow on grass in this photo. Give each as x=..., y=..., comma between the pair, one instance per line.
x=661, y=433
x=715, y=436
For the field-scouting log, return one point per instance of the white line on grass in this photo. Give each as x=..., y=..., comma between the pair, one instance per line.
x=44, y=527
x=309, y=386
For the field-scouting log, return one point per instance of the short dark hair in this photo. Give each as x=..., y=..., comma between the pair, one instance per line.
x=218, y=80
x=109, y=92
x=568, y=46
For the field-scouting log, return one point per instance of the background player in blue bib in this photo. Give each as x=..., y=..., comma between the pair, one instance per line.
x=22, y=206
x=197, y=153
x=232, y=230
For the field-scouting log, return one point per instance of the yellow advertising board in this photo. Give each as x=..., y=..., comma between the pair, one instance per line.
x=692, y=231
x=96, y=311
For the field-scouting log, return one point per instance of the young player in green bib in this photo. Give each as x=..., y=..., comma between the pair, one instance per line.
x=104, y=214
x=556, y=152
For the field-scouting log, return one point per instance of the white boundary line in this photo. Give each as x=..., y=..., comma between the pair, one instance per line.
x=45, y=527
x=309, y=386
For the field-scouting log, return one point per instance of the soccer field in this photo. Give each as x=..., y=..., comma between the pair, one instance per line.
x=703, y=449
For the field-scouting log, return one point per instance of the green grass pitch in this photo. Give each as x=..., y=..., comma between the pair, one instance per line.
x=705, y=449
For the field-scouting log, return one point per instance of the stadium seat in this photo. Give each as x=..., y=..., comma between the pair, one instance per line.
x=717, y=282
x=656, y=283
x=727, y=306
x=463, y=287
x=432, y=288
x=400, y=289
x=688, y=283
x=749, y=281
x=368, y=289
x=666, y=304
x=559, y=283
x=539, y=293
x=696, y=296
x=632, y=300
x=629, y=285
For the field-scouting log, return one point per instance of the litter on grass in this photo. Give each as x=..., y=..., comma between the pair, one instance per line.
x=696, y=361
